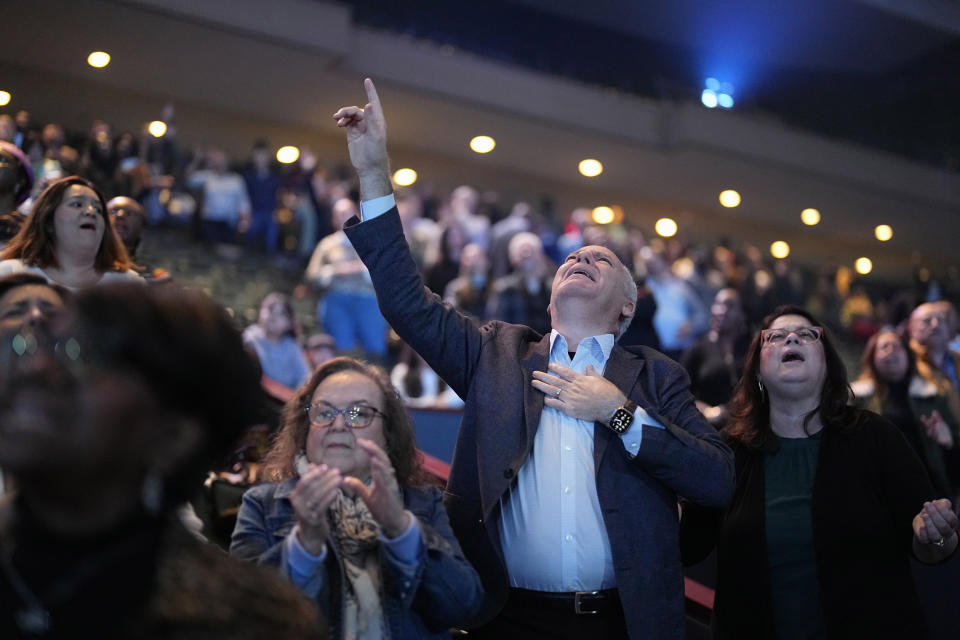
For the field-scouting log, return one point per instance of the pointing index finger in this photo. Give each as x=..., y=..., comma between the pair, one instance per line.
x=372, y=96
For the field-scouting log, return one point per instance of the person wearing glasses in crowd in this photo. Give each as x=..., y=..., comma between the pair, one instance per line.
x=830, y=503
x=347, y=518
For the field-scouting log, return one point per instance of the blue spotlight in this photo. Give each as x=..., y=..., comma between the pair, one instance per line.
x=708, y=98
x=712, y=84
x=725, y=100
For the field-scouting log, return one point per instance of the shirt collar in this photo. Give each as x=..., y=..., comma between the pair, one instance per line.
x=599, y=346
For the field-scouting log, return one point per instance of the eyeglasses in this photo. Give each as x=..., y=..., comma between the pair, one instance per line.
x=777, y=337
x=356, y=416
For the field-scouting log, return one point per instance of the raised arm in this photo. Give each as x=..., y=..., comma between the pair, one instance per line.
x=449, y=341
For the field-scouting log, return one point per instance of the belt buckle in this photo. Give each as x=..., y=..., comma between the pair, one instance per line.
x=577, y=603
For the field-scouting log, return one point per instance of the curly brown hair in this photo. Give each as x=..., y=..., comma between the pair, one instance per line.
x=749, y=408
x=35, y=243
x=295, y=425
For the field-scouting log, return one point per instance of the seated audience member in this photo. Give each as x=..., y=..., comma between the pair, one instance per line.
x=347, y=520
x=129, y=219
x=830, y=504
x=469, y=291
x=106, y=433
x=715, y=361
x=16, y=182
x=348, y=307
x=69, y=239
x=889, y=385
x=275, y=339
x=522, y=296
x=320, y=348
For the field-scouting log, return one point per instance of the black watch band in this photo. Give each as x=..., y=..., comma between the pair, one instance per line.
x=622, y=418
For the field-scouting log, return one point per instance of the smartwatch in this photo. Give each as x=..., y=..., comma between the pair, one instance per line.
x=622, y=418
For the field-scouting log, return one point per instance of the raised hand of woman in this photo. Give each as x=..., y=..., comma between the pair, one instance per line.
x=315, y=491
x=382, y=497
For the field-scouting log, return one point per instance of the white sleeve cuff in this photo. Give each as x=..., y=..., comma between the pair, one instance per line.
x=370, y=209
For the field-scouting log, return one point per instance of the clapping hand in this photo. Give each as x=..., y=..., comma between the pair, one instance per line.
x=382, y=497
x=937, y=429
x=314, y=493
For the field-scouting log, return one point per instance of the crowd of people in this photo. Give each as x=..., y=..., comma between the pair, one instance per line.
x=629, y=404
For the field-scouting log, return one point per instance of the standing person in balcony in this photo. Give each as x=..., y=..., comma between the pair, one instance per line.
x=572, y=450
x=830, y=503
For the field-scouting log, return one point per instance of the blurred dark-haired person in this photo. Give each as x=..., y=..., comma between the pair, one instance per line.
x=715, y=361
x=262, y=183
x=69, y=239
x=889, y=385
x=347, y=518
x=106, y=433
x=830, y=503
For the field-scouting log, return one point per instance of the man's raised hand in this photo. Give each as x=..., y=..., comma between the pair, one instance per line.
x=367, y=142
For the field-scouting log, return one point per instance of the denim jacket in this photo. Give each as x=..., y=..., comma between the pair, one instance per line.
x=422, y=600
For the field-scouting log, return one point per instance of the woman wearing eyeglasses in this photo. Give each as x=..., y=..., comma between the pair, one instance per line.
x=830, y=503
x=346, y=518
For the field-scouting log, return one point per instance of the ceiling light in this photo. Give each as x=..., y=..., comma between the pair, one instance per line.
x=779, y=249
x=405, y=177
x=729, y=198
x=863, y=266
x=603, y=215
x=98, y=59
x=483, y=144
x=810, y=217
x=591, y=168
x=4, y=98
x=883, y=232
x=665, y=227
x=157, y=128
x=288, y=154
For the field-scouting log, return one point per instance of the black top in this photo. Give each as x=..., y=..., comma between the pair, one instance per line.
x=869, y=485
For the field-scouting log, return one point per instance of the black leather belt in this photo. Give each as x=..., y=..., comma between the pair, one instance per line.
x=578, y=602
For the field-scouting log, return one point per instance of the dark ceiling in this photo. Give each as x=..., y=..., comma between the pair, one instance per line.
x=842, y=68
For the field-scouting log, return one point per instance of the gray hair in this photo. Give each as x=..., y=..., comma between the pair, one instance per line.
x=630, y=291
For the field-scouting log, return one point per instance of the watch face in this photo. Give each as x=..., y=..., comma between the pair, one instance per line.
x=621, y=421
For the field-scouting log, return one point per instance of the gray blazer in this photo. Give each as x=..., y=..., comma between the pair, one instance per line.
x=491, y=366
